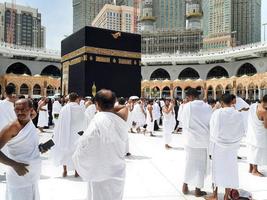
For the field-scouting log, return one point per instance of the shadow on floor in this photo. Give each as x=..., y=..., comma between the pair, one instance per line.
x=2, y=178
x=177, y=148
x=134, y=157
x=71, y=178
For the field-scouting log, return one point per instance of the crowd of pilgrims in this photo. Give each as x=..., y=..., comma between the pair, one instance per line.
x=91, y=137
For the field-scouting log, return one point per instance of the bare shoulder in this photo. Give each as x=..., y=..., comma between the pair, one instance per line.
x=8, y=132
x=123, y=113
x=13, y=128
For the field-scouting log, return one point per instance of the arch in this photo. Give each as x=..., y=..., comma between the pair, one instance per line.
x=36, y=89
x=217, y=72
x=59, y=90
x=251, y=91
x=186, y=88
x=219, y=91
x=155, y=92
x=51, y=70
x=18, y=68
x=160, y=74
x=13, y=85
x=188, y=73
x=24, y=89
x=263, y=88
x=166, y=92
x=210, y=93
x=178, y=92
x=146, y=92
x=201, y=91
x=229, y=89
x=50, y=90
x=246, y=69
x=240, y=90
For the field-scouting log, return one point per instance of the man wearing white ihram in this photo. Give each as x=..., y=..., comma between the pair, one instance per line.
x=139, y=115
x=90, y=111
x=56, y=110
x=195, y=118
x=7, y=107
x=226, y=132
x=257, y=136
x=43, y=115
x=150, y=118
x=168, y=122
x=23, y=157
x=99, y=157
x=71, y=121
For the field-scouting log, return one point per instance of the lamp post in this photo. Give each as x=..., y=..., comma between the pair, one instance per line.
x=264, y=29
x=94, y=89
x=234, y=38
x=174, y=43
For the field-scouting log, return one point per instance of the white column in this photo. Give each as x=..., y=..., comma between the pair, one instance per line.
x=259, y=93
x=246, y=93
x=183, y=94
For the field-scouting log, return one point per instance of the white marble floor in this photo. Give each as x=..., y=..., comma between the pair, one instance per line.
x=153, y=173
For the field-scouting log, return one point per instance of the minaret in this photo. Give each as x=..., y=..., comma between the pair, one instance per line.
x=194, y=14
x=147, y=18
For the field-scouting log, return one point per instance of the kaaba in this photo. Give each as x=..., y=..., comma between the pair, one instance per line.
x=95, y=58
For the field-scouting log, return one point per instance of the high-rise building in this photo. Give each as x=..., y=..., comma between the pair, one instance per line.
x=231, y=22
x=246, y=21
x=182, y=41
x=26, y=22
x=85, y=11
x=118, y=18
x=170, y=14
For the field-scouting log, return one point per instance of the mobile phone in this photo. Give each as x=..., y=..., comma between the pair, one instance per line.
x=80, y=133
x=46, y=146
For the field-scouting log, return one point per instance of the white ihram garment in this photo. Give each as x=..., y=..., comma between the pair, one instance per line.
x=179, y=116
x=150, y=125
x=226, y=132
x=168, y=125
x=240, y=103
x=138, y=116
x=24, y=148
x=99, y=157
x=56, y=110
x=43, y=117
x=90, y=113
x=71, y=121
x=156, y=111
x=8, y=114
x=195, y=118
x=256, y=138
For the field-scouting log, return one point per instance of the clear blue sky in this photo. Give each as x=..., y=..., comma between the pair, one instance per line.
x=57, y=18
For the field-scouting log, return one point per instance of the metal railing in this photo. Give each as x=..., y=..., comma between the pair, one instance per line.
x=18, y=50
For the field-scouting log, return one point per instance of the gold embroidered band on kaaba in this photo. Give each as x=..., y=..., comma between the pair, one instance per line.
x=101, y=51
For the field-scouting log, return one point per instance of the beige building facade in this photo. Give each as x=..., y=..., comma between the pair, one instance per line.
x=248, y=87
x=30, y=86
x=117, y=18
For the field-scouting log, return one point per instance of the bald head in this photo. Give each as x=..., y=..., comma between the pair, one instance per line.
x=105, y=99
